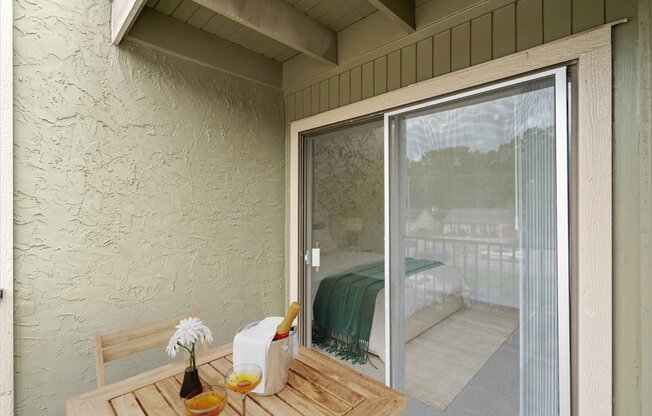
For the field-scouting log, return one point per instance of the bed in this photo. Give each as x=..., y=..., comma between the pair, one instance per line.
x=431, y=294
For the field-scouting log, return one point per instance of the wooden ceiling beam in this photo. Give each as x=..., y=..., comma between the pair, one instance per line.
x=401, y=11
x=185, y=41
x=123, y=16
x=281, y=22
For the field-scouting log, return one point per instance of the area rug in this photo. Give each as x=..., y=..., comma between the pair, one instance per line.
x=441, y=361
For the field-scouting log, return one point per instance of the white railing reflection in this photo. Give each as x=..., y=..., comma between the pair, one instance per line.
x=489, y=268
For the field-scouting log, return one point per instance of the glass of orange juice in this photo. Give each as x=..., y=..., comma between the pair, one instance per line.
x=243, y=378
x=209, y=403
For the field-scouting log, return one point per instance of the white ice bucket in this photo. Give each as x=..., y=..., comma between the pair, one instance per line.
x=279, y=357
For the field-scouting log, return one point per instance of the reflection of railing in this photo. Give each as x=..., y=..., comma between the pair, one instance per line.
x=489, y=268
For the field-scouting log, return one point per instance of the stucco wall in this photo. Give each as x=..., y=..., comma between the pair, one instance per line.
x=144, y=185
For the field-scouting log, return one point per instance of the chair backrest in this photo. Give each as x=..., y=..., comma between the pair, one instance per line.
x=120, y=344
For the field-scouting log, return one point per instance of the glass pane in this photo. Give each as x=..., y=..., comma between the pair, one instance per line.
x=347, y=217
x=480, y=302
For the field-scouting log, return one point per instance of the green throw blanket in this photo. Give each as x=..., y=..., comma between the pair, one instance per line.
x=344, y=307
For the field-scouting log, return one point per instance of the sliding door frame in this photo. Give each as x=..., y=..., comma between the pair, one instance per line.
x=591, y=336
x=305, y=269
x=395, y=227
x=305, y=280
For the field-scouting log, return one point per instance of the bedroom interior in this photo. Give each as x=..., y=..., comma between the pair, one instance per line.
x=479, y=238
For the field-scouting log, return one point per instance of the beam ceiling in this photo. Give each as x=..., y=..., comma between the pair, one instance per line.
x=281, y=22
x=178, y=38
x=401, y=11
x=123, y=16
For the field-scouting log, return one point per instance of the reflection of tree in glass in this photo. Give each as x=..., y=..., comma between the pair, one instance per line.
x=462, y=178
x=458, y=177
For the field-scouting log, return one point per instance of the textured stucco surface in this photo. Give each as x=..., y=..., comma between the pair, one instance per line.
x=144, y=185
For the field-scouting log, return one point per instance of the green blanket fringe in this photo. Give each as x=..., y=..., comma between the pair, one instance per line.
x=354, y=293
x=345, y=346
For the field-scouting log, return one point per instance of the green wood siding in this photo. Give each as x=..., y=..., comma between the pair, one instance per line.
x=314, y=99
x=409, y=65
x=394, y=70
x=442, y=53
x=345, y=88
x=367, y=80
x=587, y=14
x=356, y=84
x=306, y=102
x=481, y=39
x=333, y=92
x=424, y=59
x=556, y=19
x=289, y=107
x=529, y=24
x=504, y=31
x=323, y=96
x=461, y=46
x=298, y=105
x=632, y=196
x=380, y=75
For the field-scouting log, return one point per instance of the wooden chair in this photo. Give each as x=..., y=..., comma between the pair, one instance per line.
x=121, y=344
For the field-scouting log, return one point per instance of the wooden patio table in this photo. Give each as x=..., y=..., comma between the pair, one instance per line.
x=317, y=385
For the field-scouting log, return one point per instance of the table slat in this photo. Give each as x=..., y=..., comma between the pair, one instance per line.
x=89, y=407
x=318, y=395
x=229, y=411
x=327, y=383
x=302, y=404
x=275, y=406
x=343, y=375
x=376, y=407
x=152, y=402
x=169, y=389
x=126, y=405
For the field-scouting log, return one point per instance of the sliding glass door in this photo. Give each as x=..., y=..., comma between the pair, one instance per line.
x=477, y=253
x=436, y=244
x=345, y=274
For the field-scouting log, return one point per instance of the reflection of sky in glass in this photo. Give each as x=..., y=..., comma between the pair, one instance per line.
x=482, y=126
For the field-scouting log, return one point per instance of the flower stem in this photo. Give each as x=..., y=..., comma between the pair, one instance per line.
x=192, y=357
x=192, y=354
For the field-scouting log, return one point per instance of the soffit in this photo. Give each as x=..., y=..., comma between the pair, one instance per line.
x=334, y=14
x=200, y=17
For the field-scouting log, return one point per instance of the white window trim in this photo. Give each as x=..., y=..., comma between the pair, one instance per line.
x=6, y=210
x=592, y=295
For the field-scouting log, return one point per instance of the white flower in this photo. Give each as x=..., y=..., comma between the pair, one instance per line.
x=188, y=332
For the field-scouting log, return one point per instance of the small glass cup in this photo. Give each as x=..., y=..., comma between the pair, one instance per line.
x=209, y=403
x=243, y=378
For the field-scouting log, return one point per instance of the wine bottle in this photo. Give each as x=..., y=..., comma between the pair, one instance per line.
x=283, y=330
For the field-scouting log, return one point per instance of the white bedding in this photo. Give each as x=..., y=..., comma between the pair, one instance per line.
x=422, y=290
